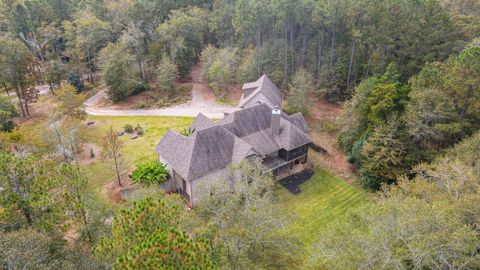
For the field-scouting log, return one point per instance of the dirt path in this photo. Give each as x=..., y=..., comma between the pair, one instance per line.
x=203, y=101
x=322, y=119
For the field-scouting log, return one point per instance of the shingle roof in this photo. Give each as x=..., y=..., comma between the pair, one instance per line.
x=202, y=122
x=298, y=120
x=213, y=146
x=265, y=86
x=253, y=124
x=205, y=150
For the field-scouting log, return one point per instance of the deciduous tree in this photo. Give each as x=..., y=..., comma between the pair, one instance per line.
x=112, y=145
x=242, y=221
x=299, y=91
x=167, y=74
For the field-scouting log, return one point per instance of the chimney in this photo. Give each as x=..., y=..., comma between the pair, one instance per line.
x=276, y=114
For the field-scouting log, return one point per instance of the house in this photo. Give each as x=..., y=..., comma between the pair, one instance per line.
x=259, y=129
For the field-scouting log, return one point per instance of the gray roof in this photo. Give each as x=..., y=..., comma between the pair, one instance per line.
x=262, y=86
x=253, y=126
x=201, y=122
x=298, y=120
x=203, y=151
x=241, y=134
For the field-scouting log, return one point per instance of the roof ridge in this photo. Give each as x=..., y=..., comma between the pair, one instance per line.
x=190, y=155
x=195, y=139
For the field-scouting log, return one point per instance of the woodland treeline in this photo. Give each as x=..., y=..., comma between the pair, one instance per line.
x=408, y=73
x=338, y=42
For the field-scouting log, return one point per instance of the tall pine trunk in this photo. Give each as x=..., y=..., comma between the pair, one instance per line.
x=367, y=71
x=303, y=50
x=352, y=55
x=117, y=170
x=292, y=47
x=285, y=66
x=20, y=103
x=333, y=41
x=6, y=89
x=319, y=56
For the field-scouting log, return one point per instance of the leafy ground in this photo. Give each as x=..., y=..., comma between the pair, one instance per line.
x=134, y=150
x=323, y=199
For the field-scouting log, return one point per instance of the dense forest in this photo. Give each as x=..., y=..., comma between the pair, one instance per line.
x=407, y=74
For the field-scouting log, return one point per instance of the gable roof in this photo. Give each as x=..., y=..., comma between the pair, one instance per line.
x=253, y=125
x=240, y=134
x=262, y=86
x=205, y=150
x=201, y=122
x=298, y=120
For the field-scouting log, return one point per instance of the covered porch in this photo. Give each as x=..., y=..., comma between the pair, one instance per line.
x=282, y=168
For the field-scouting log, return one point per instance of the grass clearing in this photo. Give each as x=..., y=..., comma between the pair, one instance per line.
x=323, y=199
x=134, y=150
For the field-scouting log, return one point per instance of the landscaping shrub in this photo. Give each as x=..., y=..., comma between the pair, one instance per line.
x=140, y=87
x=187, y=132
x=150, y=173
x=128, y=128
x=7, y=112
x=139, y=130
x=75, y=80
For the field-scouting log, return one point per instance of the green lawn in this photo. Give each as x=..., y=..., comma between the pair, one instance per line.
x=323, y=199
x=140, y=149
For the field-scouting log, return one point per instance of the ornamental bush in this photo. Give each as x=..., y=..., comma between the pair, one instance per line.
x=128, y=128
x=150, y=173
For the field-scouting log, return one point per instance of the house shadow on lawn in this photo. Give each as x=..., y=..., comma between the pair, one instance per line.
x=292, y=183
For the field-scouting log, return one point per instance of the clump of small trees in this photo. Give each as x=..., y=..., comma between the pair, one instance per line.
x=299, y=91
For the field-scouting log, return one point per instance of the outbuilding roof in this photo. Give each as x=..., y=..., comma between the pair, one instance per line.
x=264, y=88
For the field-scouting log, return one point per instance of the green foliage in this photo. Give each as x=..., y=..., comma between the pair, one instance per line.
x=69, y=103
x=385, y=100
x=298, y=99
x=150, y=173
x=128, y=128
x=220, y=68
x=80, y=203
x=31, y=249
x=427, y=222
x=170, y=248
x=241, y=219
x=34, y=249
x=86, y=36
x=187, y=132
x=444, y=101
x=139, y=130
x=54, y=72
x=181, y=36
x=117, y=72
x=7, y=112
x=17, y=66
x=247, y=71
x=147, y=228
x=383, y=155
x=167, y=74
x=74, y=79
x=26, y=198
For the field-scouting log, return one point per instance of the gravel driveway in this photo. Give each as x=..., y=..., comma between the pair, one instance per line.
x=200, y=103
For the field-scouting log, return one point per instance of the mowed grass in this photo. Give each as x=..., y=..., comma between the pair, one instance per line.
x=323, y=199
x=142, y=148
